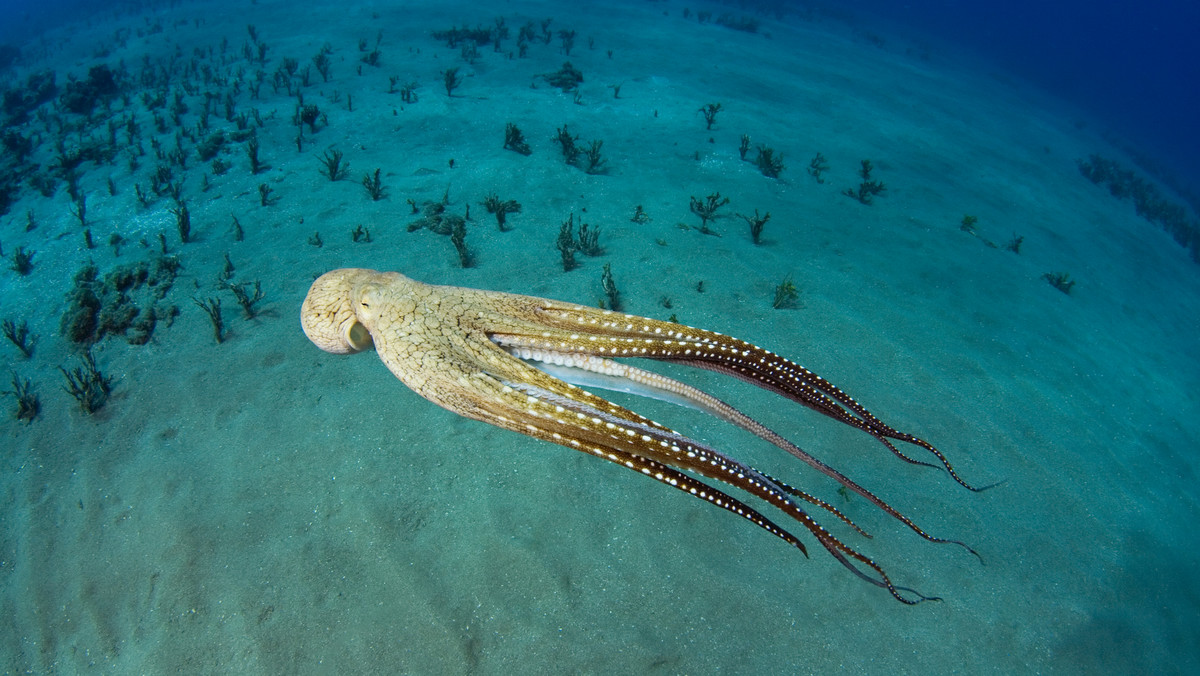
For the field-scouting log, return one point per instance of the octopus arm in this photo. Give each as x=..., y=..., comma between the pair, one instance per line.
x=598, y=372
x=613, y=334
x=620, y=436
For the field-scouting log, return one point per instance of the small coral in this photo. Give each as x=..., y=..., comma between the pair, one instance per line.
x=122, y=300
x=566, y=78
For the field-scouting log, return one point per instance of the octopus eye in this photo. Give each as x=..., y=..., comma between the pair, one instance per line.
x=366, y=296
x=364, y=299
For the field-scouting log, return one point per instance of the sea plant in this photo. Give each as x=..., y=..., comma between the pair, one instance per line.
x=588, y=241
x=610, y=288
x=323, y=63
x=408, y=92
x=1014, y=244
x=79, y=209
x=247, y=299
x=309, y=114
x=451, y=80
x=373, y=185
x=818, y=166
x=22, y=261
x=756, y=224
x=786, y=294
x=252, y=146
x=87, y=384
x=458, y=237
x=706, y=209
x=332, y=166
x=595, y=163
x=212, y=308
x=183, y=222
x=567, y=142
x=769, y=162
x=566, y=244
x=567, y=38
x=18, y=334
x=1060, y=280
x=868, y=188
x=501, y=208
x=514, y=140
x=28, y=403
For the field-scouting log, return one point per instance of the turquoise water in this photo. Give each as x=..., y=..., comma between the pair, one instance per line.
x=257, y=505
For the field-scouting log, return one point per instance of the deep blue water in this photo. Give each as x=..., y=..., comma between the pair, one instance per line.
x=1134, y=65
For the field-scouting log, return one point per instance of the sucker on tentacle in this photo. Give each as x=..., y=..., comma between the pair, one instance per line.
x=463, y=349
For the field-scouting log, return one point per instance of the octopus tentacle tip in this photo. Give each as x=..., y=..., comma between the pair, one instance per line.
x=479, y=354
x=987, y=487
x=921, y=598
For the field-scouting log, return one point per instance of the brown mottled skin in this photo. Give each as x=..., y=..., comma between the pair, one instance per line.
x=456, y=347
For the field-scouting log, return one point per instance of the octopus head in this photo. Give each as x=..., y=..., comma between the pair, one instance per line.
x=330, y=313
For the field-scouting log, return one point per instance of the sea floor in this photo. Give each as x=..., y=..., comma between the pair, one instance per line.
x=259, y=506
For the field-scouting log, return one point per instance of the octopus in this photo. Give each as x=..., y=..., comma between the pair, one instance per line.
x=522, y=363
